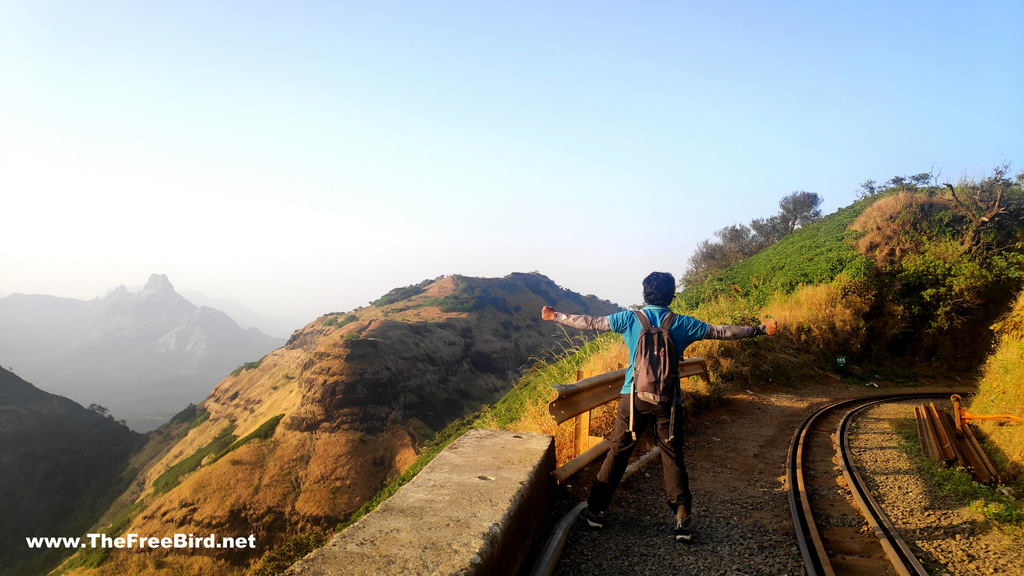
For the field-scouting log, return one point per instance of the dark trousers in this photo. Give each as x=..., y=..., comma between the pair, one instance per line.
x=677, y=483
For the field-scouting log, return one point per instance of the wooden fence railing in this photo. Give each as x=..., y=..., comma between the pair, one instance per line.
x=575, y=401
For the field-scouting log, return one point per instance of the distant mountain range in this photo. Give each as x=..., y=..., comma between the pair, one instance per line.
x=274, y=327
x=141, y=355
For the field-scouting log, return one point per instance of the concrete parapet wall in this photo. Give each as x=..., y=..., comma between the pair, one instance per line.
x=472, y=510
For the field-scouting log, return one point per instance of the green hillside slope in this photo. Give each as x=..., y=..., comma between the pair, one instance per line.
x=811, y=255
x=909, y=278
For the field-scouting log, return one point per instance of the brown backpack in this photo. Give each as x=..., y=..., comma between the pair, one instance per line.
x=655, y=373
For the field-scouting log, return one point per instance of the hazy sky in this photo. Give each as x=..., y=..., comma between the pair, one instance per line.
x=306, y=157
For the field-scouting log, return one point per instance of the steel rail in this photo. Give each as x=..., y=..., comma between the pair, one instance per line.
x=812, y=547
x=896, y=548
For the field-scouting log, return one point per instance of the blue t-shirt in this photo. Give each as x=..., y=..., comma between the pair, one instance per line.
x=685, y=330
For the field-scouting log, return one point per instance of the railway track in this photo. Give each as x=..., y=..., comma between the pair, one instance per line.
x=829, y=510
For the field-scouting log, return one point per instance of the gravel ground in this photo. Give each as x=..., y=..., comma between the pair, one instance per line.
x=736, y=461
x=736, y=457
x=946, y=537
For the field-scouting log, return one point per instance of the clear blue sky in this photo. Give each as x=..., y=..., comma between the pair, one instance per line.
x=306, y=157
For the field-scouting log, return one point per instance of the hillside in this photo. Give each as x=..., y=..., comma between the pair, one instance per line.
x=142, y=355
x=300, y=439
x=911, y=284
x=61, y=467
x=903, y=283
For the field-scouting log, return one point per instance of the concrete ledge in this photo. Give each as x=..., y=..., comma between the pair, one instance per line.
x=472, y=510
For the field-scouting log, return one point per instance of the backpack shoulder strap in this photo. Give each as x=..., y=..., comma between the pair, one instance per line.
x=643, y=319
x=667, y=322
x=666, y=325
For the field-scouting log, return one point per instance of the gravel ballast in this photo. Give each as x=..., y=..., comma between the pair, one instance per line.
x=947, y=537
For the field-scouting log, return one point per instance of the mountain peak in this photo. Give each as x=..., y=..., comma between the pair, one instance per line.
x=158, y=289
x=158, y=283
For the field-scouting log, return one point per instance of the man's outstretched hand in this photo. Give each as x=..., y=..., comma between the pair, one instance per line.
x=770, y=327
x=547, y=313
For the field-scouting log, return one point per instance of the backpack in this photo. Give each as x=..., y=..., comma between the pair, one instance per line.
x=655, y=372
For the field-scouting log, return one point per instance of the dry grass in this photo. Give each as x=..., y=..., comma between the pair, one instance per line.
x=891, y=225
x=611, y=355
x=821, y=320
x=1001, y=391
x=162, y=563
x=817, y=324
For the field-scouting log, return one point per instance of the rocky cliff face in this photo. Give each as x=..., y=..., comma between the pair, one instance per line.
x=143, y=355
x=350, y=398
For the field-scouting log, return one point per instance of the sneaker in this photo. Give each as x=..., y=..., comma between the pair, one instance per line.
x=594, y=519
x=683, y=531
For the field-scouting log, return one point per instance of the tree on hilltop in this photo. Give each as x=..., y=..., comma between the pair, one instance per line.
x=800, y=209
x=739, y=241
x=871, y=188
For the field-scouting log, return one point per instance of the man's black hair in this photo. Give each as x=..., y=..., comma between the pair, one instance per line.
x=659, y=289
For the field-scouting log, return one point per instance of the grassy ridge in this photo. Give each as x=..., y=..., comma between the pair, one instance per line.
x=813, y=255
x=524, y=408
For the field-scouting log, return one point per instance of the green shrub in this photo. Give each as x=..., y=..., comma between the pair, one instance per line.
x=263, y=432
x=191, y=414
x=87, y=558
x=279, y=559
x=810, y=255
x=247, y=366
x=404, y=293
x=170, y=477
x=339, y=322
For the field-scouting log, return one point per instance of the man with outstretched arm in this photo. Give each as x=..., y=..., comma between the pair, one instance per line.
x=659, y=290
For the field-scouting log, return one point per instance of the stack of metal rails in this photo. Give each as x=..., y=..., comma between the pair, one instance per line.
x=951, y=439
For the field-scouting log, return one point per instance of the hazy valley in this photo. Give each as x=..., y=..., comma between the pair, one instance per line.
x=142, y=355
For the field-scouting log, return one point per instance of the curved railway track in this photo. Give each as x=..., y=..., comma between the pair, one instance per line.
x=829, y=530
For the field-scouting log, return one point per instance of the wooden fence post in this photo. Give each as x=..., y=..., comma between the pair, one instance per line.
x=582, y=438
